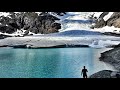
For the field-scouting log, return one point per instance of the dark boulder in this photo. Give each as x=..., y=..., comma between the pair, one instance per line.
x=102, y=74
x=56, y=25
x=117, y=75
x=45, y=24
x=7, y=29
x=106, y=74
x=4, y=20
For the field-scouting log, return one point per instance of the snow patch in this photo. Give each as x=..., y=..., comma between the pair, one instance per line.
x=103, y=43
x=31, y=33
x=5, y=14
x=18, y=32
x=97, y=14
x=108, y=16
x=17, y=12
x=38, y=12
x=108, y=29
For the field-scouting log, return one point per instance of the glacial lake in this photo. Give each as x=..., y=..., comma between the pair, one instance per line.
x=50, y=62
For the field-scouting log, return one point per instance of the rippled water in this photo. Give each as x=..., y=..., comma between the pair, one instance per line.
x=49, y=63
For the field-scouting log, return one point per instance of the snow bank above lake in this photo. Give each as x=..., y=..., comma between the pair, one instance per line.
x=48, y=41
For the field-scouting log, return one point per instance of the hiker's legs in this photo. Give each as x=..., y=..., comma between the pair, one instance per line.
x=84, y=75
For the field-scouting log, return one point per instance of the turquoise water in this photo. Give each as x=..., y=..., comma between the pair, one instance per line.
x=49, y=63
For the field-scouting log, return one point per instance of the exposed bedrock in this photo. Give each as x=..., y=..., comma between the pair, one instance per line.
x=43, y=23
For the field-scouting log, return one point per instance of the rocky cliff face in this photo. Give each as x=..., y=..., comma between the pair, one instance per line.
x=43, y=23
x=114, y=20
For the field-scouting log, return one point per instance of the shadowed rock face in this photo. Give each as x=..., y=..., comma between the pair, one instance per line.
x=43, y=23
x=114, y=20
x=101, y=23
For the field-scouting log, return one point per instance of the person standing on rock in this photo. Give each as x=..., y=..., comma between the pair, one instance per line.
x=84, y=72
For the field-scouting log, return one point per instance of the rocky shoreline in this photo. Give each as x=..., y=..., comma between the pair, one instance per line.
x=56, y=46
x=113, y=58
x=106, y=74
